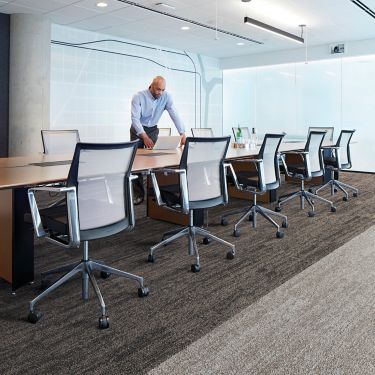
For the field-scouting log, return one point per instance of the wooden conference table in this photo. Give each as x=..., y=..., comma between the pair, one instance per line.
x=17, y=174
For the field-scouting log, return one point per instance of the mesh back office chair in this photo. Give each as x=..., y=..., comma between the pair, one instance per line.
x=59, y=141
x=98, y=204
x=202, y=184
x=338, y=160
x=267, y=177
x=245, y=131
x=328, y=129
x=164, y=132
x=309, y=165
x=202, y=132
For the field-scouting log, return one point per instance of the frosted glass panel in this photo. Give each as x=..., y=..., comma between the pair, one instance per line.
x=291, y=97
x=318, y=96
x=358, y=108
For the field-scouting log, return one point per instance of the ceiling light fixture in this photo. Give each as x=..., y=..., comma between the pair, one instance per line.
x=101, y=4
x=273, y=30
x=165, y=5
x=185, y=28
x=240, y=44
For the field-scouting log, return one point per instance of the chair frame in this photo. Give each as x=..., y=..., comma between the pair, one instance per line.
x=333, y=183
x=86, y=266
x=191, y=230
x=251, y=213
x=307, y=176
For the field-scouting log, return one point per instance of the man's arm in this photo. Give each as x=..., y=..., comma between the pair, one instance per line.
x=136, y=109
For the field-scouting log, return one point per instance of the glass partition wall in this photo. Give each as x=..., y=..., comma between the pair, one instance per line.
x=291, y=97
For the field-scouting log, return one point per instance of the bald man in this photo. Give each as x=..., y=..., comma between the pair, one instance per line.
x=146, y=109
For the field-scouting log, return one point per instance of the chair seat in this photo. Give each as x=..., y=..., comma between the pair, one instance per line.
x=329, y=160
x=296, y=169
x=170, y=194
x=245, y=178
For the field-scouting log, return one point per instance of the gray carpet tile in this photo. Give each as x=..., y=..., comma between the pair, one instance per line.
x=319, y=322
x=182, y=306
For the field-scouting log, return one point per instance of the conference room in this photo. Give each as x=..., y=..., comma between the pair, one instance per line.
x=251, y=250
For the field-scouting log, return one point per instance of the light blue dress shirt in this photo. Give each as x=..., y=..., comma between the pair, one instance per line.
x=146, y=111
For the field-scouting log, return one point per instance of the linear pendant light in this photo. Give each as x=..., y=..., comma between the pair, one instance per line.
x=274, y=30
x=364, y=7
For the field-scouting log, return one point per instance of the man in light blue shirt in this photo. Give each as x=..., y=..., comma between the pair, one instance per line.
x=146, y=109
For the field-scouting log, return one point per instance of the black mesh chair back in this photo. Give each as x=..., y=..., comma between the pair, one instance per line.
x=203, y=160
x=202, y=132
x=343, y=142
x=59, y=141
x=328, y=129
x=98, y=203
x=314, y=148
x=269, y=154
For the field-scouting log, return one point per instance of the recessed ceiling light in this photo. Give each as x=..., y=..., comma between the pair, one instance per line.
x=101, y=4
x=240, y=44
x=185, y=28
x=165, y=5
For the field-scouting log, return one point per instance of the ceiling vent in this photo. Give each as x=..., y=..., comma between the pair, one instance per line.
x=337, y=48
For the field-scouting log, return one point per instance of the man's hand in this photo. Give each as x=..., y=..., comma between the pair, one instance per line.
x=146, y=140
x=183, y=139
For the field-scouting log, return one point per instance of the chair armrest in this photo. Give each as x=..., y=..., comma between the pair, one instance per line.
x=304, y=156
x=72, y=209
x=183, y=187
x=233, y=173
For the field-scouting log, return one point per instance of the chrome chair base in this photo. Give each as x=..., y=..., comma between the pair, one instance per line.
x=338, y=185
x=304, y=195
x=191, y=232
x=86, y=267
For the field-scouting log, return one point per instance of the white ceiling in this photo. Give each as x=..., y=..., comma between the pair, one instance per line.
x=328, y=21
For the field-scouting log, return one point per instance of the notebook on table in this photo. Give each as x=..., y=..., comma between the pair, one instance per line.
x=167, y=142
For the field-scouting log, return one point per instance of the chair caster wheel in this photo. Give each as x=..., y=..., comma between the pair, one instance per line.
x=103, y=322
x=230, y=255
x=250, y=218
x=236, y=233
x=345, y=199
x=355, y=194
x=285, y=224
x=151, y=258
x=311, y=214
x=311, y=191
x=277, y=209
x=45, y=284
x=206, y=241
x=335, y=190
x=195, y=268
x=224, y=222
x=143, y=292
x=34, y=316
x=279, y=234
x=104, y=275
x=333, y=209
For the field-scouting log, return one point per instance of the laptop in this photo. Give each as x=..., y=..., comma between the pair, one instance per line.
x=167, y=142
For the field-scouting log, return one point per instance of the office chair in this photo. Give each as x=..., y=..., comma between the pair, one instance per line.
x=309, y=165
x=338, y=160
x=202, y=132
x=164, y=132
x=98, y=204
x=202, y=184
x=59, y=141
x=244, y=131
x=328, y=129
x=266, y=178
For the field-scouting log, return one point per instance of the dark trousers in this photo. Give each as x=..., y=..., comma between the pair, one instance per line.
x=138, y=185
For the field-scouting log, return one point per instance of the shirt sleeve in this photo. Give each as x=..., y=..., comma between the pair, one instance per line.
x=136, y=114
x=175, y=116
